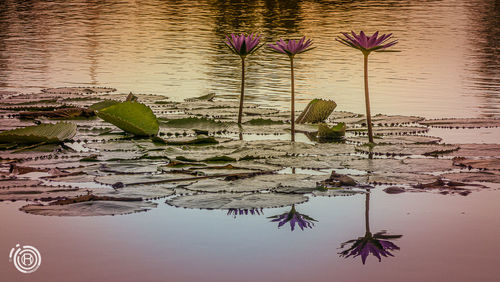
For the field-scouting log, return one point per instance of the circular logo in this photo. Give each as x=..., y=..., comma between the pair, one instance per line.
x=26, y=259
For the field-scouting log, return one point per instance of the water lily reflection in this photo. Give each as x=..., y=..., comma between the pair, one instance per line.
x=235, y=212
x=293, y=217
x=378, y=244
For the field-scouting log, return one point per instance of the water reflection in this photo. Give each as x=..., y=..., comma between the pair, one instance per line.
x=485, y=22
x=378, y=244
x=293, y=217
x=174, y=48
x=235, y=212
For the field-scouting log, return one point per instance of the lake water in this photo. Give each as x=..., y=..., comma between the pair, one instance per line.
x=449, y=66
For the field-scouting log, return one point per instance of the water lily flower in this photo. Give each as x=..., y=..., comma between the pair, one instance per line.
x=235, y=212
x=293, y=217
x=243, y=45
x=367, y=44
x=292, y=48
x=378, y=244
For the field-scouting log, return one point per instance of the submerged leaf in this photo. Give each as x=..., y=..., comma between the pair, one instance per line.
x=131, y=117
x=43, y=133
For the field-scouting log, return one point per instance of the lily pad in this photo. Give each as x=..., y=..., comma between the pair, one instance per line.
x=486, y=163
x=478, y=150
x=43, y=133
x=491, y=177
x=408, y=149
x=131, y=117
x=326, y=133
x=196, y=123
x=399, y=178
x=79, y=90
x=102, y=105
x=236, y=201
x=39, y=193
x=18, y=182
x=208, y=97
x=462, y=122
x=394, y=130
x=403, y=139
x=258, y=183
x=408, y=165
x=90, y=208
x=336, y=192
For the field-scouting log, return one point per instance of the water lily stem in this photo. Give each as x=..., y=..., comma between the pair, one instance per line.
x=240, y=113
x=367, y=102
x=293, y=101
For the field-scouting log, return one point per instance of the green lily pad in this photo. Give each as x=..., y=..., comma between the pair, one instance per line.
x=103, y=104
x=131, y=117
x=43, y=133
x=331, y=133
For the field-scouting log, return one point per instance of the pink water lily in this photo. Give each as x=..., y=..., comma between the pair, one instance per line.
x=367, y=44
x=292, y=48
x=243, y=45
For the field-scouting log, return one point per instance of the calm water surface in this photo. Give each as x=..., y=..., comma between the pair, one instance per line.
x=444, y=238
x=449, y=64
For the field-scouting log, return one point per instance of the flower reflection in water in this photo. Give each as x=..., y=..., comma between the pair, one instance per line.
x=377, y=244
x=293, y=217
x=374, y=244
x=235, y=212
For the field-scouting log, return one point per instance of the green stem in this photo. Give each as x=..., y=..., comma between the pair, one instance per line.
x=367, y=102
x=293, y=101
x=240, y=113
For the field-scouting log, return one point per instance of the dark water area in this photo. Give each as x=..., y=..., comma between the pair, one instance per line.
x=449, y=64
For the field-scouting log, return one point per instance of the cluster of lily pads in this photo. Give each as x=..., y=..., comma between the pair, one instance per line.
x=86, y=151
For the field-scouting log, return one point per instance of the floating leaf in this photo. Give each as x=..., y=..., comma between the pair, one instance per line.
x=492, y=177
x=43, y=133
x=90, y=208
x=198, y=141
x=131, y=117
x=408, y=149
x=326, y=133
x=208, y=97
x=263, y=121
x=196, y=123
x=462, y=122
x=78, y=90
x=236, y=201
x=487, y=163
x=103, y=104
